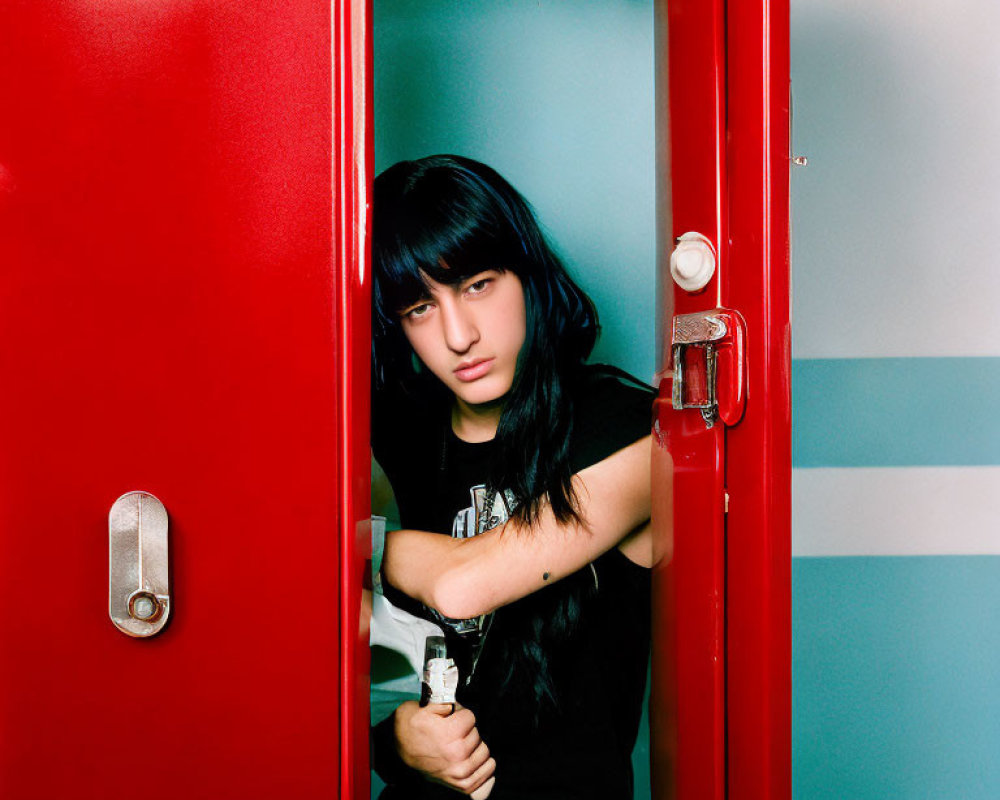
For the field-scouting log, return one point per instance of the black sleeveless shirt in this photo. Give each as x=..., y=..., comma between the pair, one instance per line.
x=578, y=742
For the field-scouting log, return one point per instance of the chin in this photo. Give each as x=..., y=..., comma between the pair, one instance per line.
x=477, y=395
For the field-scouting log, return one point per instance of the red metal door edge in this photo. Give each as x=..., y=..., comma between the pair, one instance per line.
x=687, y=708
x=352, y=176
x=758, y=476
x=722, y=655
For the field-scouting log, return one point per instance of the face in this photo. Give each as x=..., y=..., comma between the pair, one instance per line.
x=470, y=335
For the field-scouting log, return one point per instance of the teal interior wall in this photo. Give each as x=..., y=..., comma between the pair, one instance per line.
x=558, y=97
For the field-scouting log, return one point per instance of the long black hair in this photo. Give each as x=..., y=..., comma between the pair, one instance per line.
x=447, y=218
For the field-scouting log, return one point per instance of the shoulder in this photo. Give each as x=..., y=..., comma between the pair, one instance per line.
x=611, y=410
x=403, y=431
x=602, y=388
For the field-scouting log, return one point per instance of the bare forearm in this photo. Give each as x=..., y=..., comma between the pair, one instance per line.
x=464, y=578
x=460, y=578
x=417, y=562
x=467, y=577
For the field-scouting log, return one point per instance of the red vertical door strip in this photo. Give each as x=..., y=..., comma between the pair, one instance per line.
x=353, y=165
x=688, y=692
x=758, y=453
x=721, y=660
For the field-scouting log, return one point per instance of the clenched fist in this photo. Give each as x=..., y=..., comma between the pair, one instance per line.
x=445, y=747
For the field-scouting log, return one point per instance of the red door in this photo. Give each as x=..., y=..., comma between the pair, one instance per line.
x=182, y=191
x=721, y=710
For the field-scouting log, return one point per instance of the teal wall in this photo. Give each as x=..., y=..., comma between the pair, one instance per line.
x=896, y=682
x=557, y=96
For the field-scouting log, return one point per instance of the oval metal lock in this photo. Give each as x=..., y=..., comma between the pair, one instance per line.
x=139, y=574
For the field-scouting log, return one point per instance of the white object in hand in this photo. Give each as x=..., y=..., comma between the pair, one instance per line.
x=441, y=677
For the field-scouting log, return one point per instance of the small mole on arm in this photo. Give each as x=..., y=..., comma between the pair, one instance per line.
x=545, y=576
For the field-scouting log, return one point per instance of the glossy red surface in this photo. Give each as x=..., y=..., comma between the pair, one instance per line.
x=759, y=448
x=353, y=169
x=722, y=654
x=687, y=704
x=171, y=320
x=688, y=693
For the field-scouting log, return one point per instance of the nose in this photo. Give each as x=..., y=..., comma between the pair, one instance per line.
x=460, y=330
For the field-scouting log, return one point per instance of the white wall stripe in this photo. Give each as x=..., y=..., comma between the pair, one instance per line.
x=896, y=511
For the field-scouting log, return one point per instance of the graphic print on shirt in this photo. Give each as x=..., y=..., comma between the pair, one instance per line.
x=486, y=511
x=477, y=518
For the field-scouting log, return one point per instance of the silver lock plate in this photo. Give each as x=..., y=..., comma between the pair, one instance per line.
x=697, y=332
x=709, y=364
x=139, y=576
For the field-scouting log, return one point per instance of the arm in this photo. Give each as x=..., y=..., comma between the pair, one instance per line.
x=463, y=578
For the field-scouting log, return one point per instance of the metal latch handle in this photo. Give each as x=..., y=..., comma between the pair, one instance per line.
x=716, y=383
x=138, y=568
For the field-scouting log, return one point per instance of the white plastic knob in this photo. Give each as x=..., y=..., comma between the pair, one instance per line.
x=692, y=264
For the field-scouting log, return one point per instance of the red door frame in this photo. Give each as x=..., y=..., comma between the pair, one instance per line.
x=759, y=452
x=353, y=163
x=722, y=625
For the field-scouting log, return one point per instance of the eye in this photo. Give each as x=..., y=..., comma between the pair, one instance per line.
x=479, y=286
x=415, y=312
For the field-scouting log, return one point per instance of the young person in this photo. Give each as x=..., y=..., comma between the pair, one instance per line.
x=536, y=467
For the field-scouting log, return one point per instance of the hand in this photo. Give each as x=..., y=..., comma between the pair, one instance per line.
x=444, y=746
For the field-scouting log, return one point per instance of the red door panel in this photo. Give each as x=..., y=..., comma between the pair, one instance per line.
x=171, y=312
x=722, y=634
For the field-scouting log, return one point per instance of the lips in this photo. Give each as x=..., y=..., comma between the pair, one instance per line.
x=474, y=370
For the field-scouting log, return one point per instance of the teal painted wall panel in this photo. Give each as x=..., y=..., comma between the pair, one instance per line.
x=896, y=678
x=895, y=412
x=558, y=97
